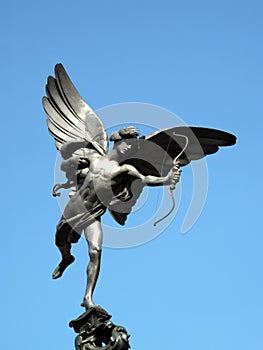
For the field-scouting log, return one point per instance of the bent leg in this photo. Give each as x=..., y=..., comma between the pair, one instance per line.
x=64, y=246
x=94, y=236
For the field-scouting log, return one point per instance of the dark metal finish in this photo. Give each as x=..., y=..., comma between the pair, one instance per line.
x=97, y=332
x=100, y=180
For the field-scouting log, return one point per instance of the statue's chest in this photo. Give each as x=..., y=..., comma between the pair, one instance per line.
x=106, y=169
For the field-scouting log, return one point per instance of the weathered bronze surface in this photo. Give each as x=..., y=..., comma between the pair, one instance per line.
x=96, y=331
x=101, y=180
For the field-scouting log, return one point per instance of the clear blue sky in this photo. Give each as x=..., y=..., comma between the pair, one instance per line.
x=202, y=60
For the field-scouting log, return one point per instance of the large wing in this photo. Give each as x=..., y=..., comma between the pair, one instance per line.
x=154, y=155
x=69, y=116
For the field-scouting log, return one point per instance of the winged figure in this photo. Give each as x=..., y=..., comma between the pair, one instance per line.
x=101, y=179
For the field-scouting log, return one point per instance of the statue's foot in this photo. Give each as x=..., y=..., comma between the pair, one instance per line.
x=87, y=303
x=58, y=272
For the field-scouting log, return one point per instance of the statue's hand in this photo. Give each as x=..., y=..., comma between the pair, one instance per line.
x=174, y=176
x=55, y=189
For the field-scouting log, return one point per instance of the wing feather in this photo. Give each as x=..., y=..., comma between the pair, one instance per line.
x=80, y=108
x=59, y=122
x=201, y=142
x=62, y=107
x=69, y=116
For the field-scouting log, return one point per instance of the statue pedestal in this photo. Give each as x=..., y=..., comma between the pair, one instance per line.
x=97, y=332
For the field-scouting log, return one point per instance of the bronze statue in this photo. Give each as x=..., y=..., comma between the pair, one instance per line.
x=101, y=180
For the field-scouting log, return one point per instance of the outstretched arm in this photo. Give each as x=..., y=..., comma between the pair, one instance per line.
x=171, y=179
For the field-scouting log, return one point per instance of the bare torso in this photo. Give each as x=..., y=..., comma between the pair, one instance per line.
x=99, y=180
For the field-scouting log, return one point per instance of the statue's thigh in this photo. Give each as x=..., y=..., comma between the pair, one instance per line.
x=93, y=233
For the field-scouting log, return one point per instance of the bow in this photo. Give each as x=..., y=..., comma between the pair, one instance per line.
x=172, y=186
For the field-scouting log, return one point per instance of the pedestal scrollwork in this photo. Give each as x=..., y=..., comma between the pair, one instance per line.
x=97, y=332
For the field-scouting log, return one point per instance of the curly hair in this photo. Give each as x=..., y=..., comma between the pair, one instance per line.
x=124, y=133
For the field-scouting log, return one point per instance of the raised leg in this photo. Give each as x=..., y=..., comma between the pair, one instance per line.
x=67, y=259
x=94, y=236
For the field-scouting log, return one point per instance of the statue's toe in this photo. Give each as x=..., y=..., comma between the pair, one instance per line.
x=57, y=273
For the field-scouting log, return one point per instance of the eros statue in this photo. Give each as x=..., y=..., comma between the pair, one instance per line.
x=100, y=179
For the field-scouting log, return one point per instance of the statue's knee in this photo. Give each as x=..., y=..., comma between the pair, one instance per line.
x=62, y=233
x=61, y=240
x=94, y=252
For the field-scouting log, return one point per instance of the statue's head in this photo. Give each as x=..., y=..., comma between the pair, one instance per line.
x=125, y=140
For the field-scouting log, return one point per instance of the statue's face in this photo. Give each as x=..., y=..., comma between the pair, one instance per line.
x=124, y=146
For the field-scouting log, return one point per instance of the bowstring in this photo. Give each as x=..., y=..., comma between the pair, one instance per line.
x=162, y=166
x=170, y=189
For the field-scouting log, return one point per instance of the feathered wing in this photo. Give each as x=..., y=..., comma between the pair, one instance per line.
x=70, y=119
x=155, y=154
x=157, y=151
